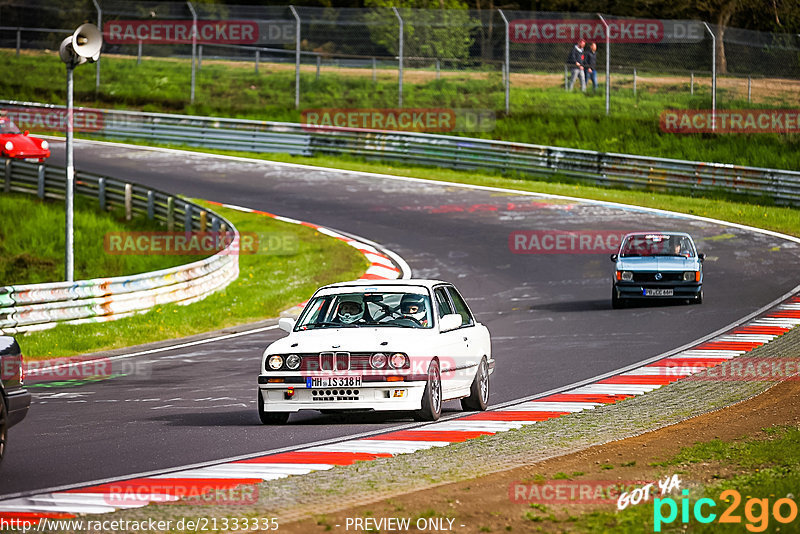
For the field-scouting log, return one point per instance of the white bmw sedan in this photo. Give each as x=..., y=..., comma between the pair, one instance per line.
x=396, y=345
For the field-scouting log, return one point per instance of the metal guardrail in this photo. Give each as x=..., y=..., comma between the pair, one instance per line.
x=40, y=306
x=599, y=168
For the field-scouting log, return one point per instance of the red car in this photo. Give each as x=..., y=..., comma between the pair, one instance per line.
x=18, y=145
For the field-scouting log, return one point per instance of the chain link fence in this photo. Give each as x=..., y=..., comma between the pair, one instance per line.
x=472, y=63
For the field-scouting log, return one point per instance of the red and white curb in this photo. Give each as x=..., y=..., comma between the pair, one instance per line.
x=171, y=487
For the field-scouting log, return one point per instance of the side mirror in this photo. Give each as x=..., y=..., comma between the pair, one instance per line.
x=286, y=324
x=614, y=257
x=449, y=322
x=701, y=257
x=26, y=132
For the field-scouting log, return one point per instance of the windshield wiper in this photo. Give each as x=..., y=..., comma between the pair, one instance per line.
x=326, y=324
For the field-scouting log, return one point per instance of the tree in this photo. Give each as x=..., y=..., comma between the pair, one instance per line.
x=432, y=28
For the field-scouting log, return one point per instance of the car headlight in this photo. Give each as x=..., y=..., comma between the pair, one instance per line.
x=398, y=360
x=378, y=360
x=627, y=276
x=45, y=145
x=275, y=362
x=688, y=276
x=293, y=362
x=9, y=145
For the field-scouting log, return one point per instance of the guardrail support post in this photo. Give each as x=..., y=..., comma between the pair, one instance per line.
x=101, y=193
x=170, y=214
x=296, y=59
x=40, y=181
x=151, y=205
x=128, y=202
x=7, y=180
x=203, y=220
x=215, y=224
x=19, y=40
x=258, y=59
x=187, y=218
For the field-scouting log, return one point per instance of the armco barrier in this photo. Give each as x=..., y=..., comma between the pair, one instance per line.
x=41, y=306
x=600, y=168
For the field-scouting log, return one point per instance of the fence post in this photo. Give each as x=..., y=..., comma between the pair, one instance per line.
x=139, y=54
x=151, y=204
x=400, y=58
x=296, y=58
x=713, y=77
x=7, y=181
x=258, y=59
x=170, y=214
x=187, y=218
x=566, y=75
x=40, y=181
x=438, y=67
x=507, y=62
x=194, y=46
x=634, y=82
x=608, y=63
x=199, y=57
x=749, y=88
x=101, y=193
x=97, y=63
x=128, y=202
x=374, y=70
x=19, y=40
x=319, y=60
x=691, y=86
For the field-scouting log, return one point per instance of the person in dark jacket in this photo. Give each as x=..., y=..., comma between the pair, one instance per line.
x=590, y=65
x=575, y=63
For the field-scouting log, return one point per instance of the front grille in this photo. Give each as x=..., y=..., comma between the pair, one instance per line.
x=325, y=361
x=651, y=277
x=334, y=361
x=323, y=395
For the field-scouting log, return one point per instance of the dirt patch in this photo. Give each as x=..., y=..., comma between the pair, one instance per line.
x=485, y=505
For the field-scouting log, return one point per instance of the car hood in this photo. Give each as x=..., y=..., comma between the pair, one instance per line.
x=361, y=339
x=658, y=263
x=23, y=145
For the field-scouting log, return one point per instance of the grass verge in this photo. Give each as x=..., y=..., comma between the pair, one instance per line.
x=32, y=249
x=266, y=285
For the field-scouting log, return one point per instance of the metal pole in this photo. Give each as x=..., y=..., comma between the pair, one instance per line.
x=749, y=88
x=296, y=59
x=437, y=68
x=374, y=70
x=258, y=59
x=713, y=77
x=19, y=40
x=400, y=59
x=69, y=260
x=319, y=60
x=97, y=63
x=194, y=45
x=507, y=62
x=139, y=54
x=691, y=86
x=634, y=82
x=608, y=64
x=566, y=75
x=199, y=57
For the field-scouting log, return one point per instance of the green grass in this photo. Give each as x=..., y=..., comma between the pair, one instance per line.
x=32, y=242
x=766, y=469
x=266, y=285
x=543, y=115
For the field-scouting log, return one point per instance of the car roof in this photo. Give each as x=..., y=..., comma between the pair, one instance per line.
x=412, y=282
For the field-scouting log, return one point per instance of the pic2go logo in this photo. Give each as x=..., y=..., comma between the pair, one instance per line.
x=756, y=511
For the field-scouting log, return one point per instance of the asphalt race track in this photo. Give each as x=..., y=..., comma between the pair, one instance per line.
x=549, y=314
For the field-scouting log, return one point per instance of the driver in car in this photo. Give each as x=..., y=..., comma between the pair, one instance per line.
x=413, y=307
x=350, y=311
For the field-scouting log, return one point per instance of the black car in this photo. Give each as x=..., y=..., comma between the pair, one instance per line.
x=14, y=398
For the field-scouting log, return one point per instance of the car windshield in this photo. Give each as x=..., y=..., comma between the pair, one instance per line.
x=374, y=309
x=657, y=245
x=7, y=126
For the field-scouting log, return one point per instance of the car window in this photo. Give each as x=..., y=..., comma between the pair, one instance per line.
x=461, y=307
x=373, y=309
x=657, y=245
x=442, y=302
x=7, y=126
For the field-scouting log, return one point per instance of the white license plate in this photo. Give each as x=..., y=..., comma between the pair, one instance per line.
x=333, y=381
x=658, y=292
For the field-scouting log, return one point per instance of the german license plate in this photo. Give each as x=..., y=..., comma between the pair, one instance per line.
x=658, y=292
x=333, y=382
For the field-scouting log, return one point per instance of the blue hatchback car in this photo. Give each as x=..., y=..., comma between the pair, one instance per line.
x=656, y=266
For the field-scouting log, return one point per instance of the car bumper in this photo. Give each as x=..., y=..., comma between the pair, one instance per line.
x=377, y=396
x=637, y=291
x=18, y=404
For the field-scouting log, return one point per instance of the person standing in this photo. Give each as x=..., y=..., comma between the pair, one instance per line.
x=575, y=63
x=590, y=65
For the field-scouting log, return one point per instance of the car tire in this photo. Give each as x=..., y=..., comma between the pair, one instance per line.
x=616, y=302
x=270, y=418
x=478, y=398
x=432, y=396
x=4, y=424
x=699, y=298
